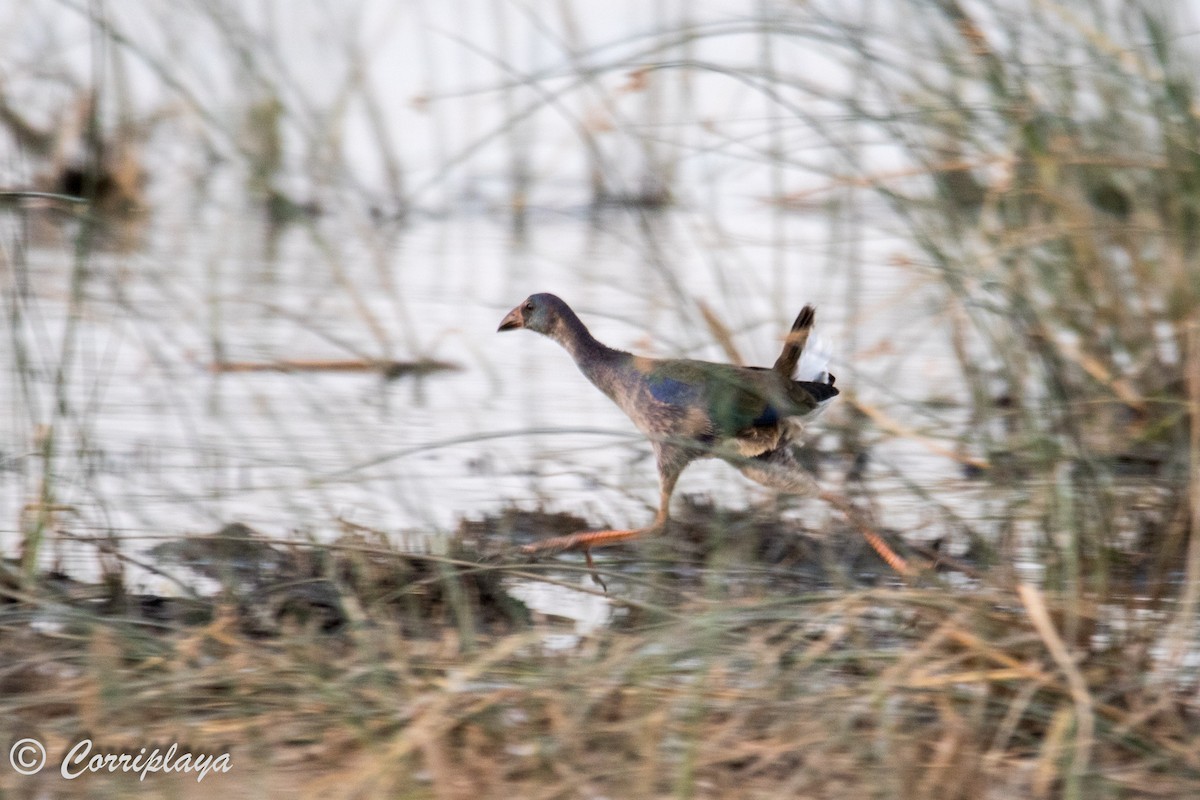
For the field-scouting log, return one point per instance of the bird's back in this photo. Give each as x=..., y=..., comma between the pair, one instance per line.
x=730, y=399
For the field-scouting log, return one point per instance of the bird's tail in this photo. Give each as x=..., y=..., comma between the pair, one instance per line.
x=803, y=358
x=793, y=345
x=814, y=363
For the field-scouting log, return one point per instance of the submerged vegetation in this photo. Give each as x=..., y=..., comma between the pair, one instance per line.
x=1039, y=164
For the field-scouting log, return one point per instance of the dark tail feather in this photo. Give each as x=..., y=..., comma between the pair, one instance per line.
x=820, y=391
x=793, y=346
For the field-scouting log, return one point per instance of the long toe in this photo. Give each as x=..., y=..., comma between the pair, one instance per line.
x=587, y=552
x=588, y=539
x=556, y=544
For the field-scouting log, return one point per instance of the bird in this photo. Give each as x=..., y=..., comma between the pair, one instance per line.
x=749, y=417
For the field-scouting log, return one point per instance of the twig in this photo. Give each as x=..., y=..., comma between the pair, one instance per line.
x=1085, y=717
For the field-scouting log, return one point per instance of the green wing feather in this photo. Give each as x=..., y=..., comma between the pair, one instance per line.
x=732, y=398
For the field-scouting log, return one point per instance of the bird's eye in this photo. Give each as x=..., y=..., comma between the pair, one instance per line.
x=529, y=306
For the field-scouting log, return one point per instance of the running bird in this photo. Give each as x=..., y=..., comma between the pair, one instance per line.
x=747, y=416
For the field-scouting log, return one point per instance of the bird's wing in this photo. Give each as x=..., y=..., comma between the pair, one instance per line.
x=733, y=399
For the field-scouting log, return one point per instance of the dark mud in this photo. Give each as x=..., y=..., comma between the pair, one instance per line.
x=277, y=586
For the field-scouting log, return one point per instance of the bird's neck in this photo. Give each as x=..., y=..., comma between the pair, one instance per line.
x=595, y=359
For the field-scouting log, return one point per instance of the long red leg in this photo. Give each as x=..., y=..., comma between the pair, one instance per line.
x=586, y=540
x=889, y=556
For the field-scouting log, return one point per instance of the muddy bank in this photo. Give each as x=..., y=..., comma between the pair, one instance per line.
x=272, y=586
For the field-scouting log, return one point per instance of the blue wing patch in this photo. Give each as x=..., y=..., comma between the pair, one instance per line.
x=673, y=392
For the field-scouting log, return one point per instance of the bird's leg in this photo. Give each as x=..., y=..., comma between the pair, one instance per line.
x=889, y=556
x=669, y=468
x=586, y=540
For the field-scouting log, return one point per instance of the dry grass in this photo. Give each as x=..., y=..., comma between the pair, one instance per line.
x=755, y=691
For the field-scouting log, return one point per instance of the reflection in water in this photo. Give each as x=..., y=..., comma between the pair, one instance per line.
x=585, y=610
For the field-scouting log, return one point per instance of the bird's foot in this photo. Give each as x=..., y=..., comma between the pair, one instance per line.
x=587, y=554
x=585, y=541
x=575, y=541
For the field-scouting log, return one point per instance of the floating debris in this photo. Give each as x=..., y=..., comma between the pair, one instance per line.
x=391, y=370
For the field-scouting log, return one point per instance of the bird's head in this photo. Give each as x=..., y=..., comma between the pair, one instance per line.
x=540, y=312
